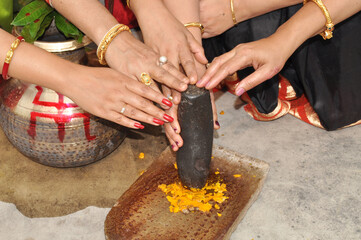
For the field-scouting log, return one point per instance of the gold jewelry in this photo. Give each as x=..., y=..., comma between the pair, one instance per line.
x=145, y=78
x=195, y=24
x=170, y=98
x=107, y=39
x=128, y=3
x=233, y=13
x=326, y=34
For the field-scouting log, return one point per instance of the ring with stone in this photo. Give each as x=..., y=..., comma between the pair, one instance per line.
x=163, y=60
x=145, y=78
x=122, y=110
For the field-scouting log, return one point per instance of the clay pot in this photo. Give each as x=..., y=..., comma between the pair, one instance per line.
x=48, y=127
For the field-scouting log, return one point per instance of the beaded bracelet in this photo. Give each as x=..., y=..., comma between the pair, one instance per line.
x=195, y=24
x=9, y=56
x=326, y=34
x=107, y=39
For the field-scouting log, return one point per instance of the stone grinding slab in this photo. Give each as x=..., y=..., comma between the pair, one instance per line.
x=142, y=212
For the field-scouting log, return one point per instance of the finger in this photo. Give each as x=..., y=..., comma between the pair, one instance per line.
x=187, y=62
x=155, y=87
x=176, y=97
x=228, y=68
x=174, y=113
x=174, y=138
x=259, y=76
x=198, y=51
x=214, y=67
x=214, y=109
x=163, y=76
x=139, y=98
x=135, y=114
x=167, y=92
x=176, y=72
x=120, y=119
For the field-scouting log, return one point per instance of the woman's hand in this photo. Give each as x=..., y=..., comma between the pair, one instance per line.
x=168, y=37
x=216, y=17
x=105, y=92
x=173, y=129
x=132, y=57
x=267, y=56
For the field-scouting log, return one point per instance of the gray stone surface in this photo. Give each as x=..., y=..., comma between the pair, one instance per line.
x=313, y=190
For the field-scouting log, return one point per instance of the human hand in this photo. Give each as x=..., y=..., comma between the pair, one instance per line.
x=104, y=92
x=216, y=17
x=130, y=56
x=173, y=129
x=267, y=56
x=168, y=37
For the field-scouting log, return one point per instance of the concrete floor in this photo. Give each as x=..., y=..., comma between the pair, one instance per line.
x=313, y=189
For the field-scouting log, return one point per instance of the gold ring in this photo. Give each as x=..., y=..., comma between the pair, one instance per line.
x=170, y=98
x=146, y=79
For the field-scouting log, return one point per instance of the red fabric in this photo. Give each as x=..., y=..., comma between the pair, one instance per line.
x=122, y=13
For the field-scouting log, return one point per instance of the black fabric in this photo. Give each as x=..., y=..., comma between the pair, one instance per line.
x=327, y=72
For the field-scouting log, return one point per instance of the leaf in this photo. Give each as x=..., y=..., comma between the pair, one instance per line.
x=31, y=31
x=45, y=24
x=67, y=28
x=31, y=12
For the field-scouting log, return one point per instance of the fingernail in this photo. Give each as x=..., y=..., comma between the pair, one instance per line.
x=217, y=123
x=138, y=125
x=240, y=91
x=167, y=102
x=172, y=146
x=168, y=118
x=176, y=143
x=175, y=129
x=158, y=121
x=199, y=82
x=207, y=85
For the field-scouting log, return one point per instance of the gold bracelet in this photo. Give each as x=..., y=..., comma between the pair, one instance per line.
x=326, y=34
x=195, y=24
x=233, y=14
x=107, y=39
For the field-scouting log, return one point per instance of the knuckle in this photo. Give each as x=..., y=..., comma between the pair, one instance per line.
x=132, y=113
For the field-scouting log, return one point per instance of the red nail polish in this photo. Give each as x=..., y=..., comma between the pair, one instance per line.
x=158, y=121
x=168, y=118
x=175, y=129
x=167, y=102
x=177, y=143
x=138, y=125
x=217, y=123
x=172, y=146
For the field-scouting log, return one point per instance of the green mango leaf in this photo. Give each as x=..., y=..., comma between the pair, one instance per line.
x=45, y=24
x=31, y=31
x=31, y=12
x=67, y=28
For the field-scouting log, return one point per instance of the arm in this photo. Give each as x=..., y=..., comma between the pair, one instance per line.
x=125, y=53
x=268, y=56
x=216, y=15
x=100, y=91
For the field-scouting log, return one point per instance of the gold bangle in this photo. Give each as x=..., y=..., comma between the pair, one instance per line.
x=128, y=3
x=195, y=24
x=107, y=39
x=326, y=34
x=233, y=14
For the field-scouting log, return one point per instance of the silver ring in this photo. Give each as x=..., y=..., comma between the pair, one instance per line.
x=163, y=60
x=122, y=110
